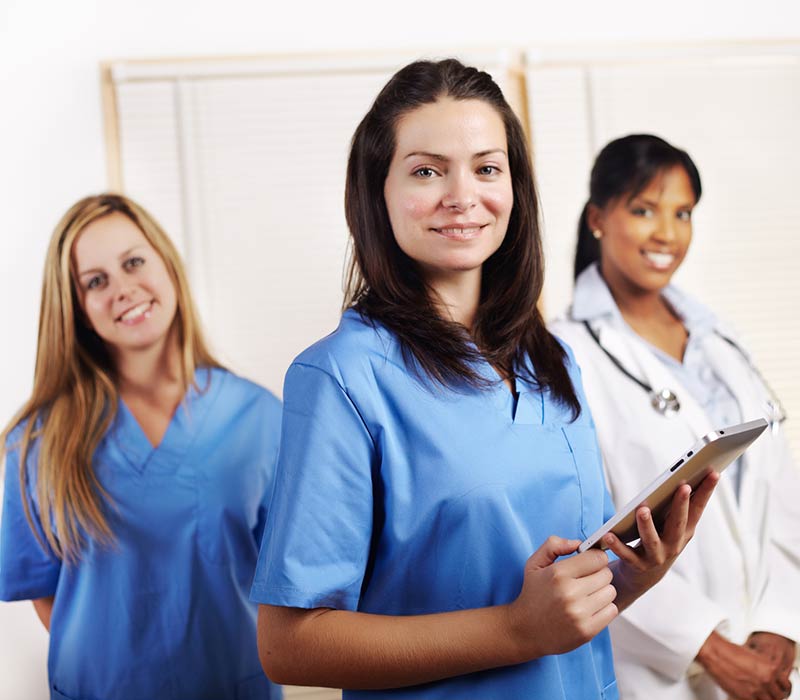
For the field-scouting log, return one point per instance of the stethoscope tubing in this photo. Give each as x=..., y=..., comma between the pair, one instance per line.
x=780, y=413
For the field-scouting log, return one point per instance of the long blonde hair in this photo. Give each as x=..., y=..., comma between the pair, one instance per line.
x=75, y=398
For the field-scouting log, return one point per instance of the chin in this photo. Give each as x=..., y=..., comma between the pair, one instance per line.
x=144, y=342
x=651, y=284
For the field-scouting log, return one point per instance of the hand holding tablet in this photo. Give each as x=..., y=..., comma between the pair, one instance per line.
x=714, y=452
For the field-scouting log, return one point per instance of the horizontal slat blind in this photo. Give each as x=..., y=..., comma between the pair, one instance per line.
x=150, y=150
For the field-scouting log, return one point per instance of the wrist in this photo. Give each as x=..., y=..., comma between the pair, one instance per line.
x=708, y=652
x=519, y=643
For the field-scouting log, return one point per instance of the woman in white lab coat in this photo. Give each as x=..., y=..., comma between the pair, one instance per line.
x=660, y=371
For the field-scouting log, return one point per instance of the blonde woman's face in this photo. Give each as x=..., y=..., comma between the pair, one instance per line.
x=124, y=288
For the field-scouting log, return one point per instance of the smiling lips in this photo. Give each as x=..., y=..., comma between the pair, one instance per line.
x=137, y=314
x=460, y=232
x=660, y=261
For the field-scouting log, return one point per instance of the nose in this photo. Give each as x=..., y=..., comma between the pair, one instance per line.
x=666, y=229
x=123, y=289
x=461, y=194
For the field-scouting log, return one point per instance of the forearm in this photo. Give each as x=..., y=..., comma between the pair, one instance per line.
x=343, y=649
x=44, y=609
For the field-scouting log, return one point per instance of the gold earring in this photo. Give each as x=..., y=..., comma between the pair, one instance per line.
x=597, y=233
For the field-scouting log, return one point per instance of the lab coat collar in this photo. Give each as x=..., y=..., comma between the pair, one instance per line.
x=592, y=300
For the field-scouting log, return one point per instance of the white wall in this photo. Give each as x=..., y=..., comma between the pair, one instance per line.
x=51, y=140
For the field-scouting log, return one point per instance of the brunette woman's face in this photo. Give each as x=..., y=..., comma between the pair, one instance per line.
x=645, y=238
x=448, y=191
x=124, y=288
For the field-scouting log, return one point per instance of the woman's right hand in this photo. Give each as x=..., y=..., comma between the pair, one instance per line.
x=741, y=672
x=563, y=604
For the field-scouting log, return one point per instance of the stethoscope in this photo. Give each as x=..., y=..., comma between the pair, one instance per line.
x=665, y=401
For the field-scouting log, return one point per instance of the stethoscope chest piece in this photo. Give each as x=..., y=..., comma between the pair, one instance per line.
x=665, y=402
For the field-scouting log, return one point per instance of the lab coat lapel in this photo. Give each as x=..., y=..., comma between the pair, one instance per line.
x=658, y=376
x=731, y=367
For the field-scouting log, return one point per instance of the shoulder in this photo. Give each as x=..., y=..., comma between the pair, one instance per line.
x=238, y=391
x=352, y=349
x=570, y=333
x=14, y=443
x=15, y=439
x=15, y=435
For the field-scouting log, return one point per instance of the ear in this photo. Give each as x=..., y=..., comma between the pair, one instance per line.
x=594, y=217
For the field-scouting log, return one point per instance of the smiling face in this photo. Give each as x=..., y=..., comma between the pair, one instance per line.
x=124, y=288
x=448, y=191
x=645, y=238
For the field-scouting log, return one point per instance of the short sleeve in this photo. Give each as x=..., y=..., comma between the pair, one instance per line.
x=272, y=429
x=319, y=527
x=27, y=571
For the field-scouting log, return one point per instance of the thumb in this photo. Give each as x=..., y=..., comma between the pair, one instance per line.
x=552, y=548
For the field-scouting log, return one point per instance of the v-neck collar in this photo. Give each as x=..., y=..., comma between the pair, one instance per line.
x=182, y=429
x=525, y=407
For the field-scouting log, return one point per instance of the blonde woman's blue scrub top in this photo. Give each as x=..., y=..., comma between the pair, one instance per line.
x=396, y=496
x=164, y=614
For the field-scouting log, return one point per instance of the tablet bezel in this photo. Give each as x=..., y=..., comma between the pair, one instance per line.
x=715, y=451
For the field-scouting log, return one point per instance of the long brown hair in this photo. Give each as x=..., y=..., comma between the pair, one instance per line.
x=74, y=398
x=385, y=285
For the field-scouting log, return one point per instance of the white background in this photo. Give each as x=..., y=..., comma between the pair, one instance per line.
x=52, y=148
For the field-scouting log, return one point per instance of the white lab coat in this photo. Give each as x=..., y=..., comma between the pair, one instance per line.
x=741, y=572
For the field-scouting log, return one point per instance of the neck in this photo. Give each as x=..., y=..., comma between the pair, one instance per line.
x=457, y=295
x=635, y=303
x=151, y=371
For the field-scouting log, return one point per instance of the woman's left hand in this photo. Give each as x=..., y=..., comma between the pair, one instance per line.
x=640, y=568
x=775, y=647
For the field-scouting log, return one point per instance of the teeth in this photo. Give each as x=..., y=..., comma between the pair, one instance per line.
x=135, y=311
x=463, y=231
x=660, y=259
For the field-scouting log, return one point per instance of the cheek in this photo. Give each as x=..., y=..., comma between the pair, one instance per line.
x=408, y=211
x=95, y=308
x=500, y=202
x=166, y=290
x=686, y=239
x=628, y=235
x=417, y=206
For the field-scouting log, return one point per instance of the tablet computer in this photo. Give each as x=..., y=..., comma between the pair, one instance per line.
x=714, y=452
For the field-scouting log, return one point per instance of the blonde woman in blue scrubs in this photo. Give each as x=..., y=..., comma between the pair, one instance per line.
x=137, y=476
x=437, y=461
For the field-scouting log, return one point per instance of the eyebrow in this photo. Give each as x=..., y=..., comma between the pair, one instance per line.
x=441, y=158
x=121, y=256
x=655, y=205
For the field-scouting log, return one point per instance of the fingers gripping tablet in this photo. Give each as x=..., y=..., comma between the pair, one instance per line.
x=713, y=452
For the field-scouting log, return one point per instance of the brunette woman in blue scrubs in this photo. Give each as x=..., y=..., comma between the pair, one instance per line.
x=437, y=460
x=137, y=476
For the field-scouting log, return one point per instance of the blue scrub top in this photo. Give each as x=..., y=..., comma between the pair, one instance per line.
x=164, y=614
x=394, y=495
